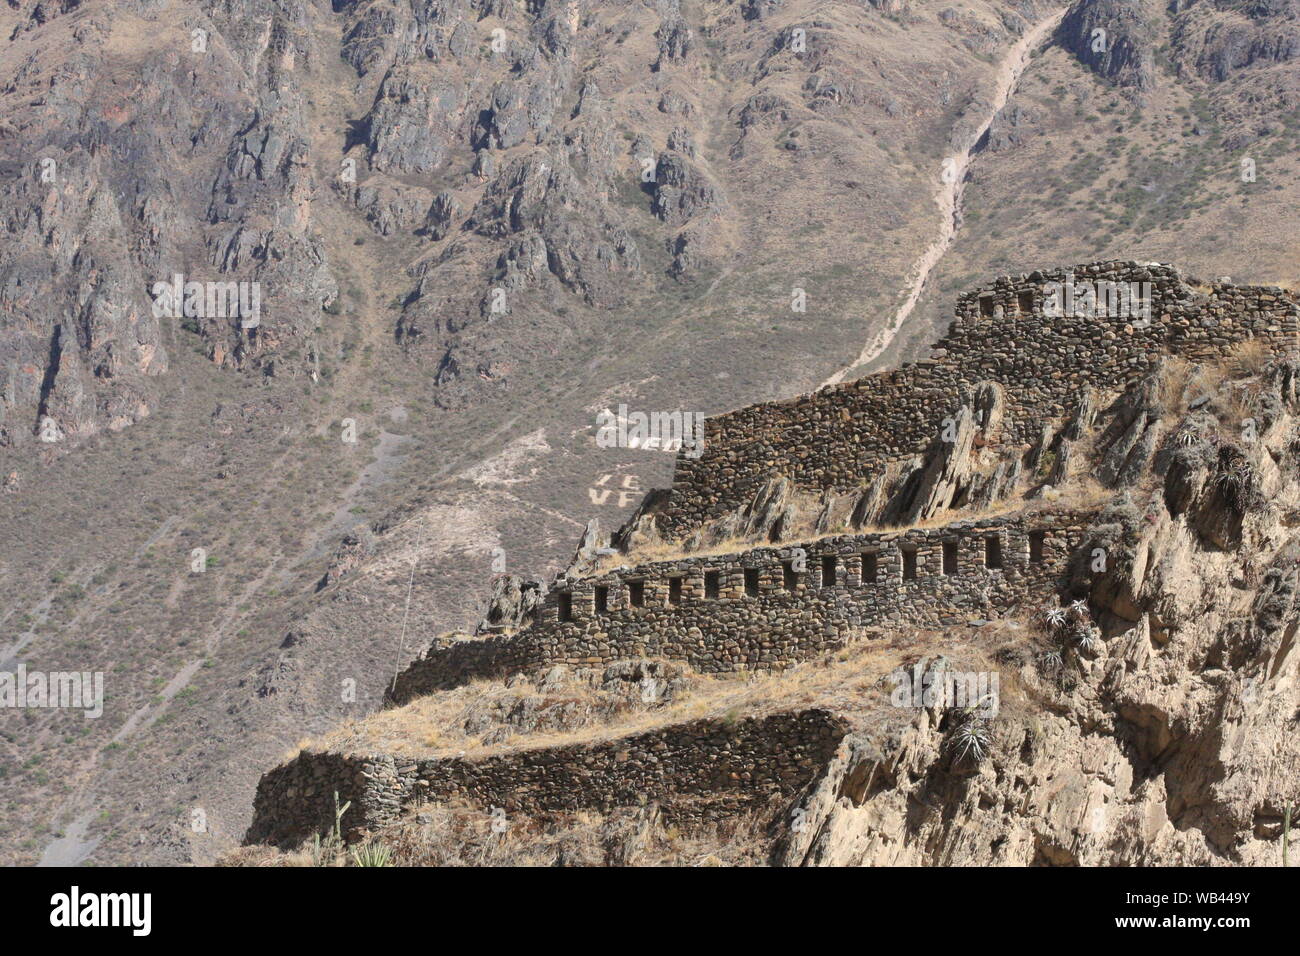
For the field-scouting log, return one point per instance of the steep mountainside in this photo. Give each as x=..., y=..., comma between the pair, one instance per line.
x=469, y=227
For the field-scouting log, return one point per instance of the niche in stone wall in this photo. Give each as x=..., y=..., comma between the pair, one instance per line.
x=1025, y=302
x=986, y=306
x=712, y=584
x=828, y=570
x=1037, y=540
x=789, y=576
x=636, y=593
x=909, y=563
x=674, y=590
x=870, y=567
x=992, y=551
x=950, y=557
x=751, y=582
x=564, y=603
x=601, y=593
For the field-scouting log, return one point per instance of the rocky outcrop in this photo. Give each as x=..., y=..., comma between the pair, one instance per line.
x=1168, y=735
x=947, y=477
x=512, y=604
x=1117, y=39
x=1231, y=37
x=1129, y=443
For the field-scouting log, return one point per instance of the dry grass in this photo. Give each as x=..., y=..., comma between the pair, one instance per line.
x=851, y=680
x=1234, y=381
x=463, y=836
x=1248, y=359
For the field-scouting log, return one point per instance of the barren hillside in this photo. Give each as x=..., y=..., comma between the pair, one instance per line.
x=473, y=226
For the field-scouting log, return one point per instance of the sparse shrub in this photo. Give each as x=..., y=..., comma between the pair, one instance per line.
x=1237, y=480
x=1085, y=639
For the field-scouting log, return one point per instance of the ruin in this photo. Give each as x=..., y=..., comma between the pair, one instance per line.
x=907, y=536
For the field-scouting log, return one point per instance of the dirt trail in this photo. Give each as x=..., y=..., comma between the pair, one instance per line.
x=953, y=183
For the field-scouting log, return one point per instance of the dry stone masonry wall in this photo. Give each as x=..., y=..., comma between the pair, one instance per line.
x=841, y=437
x=698, y=772
x=772, y=607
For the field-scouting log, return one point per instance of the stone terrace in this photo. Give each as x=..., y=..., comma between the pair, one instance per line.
x=841, y=437
x=700, y=771
x=758, y=609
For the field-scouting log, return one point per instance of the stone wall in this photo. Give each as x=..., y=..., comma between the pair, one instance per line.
x=698, y=772
x=763, y=615
x=841, y=437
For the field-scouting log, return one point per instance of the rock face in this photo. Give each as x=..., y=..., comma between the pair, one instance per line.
x=101, y=213
x=1130, y=441
x=1115, y=38
x=1172, y=738
x=947, y=478
x=1230, y=37
x=1212, y=41
x=512, y=605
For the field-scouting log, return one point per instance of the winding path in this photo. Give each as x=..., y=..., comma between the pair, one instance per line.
x=953, y=184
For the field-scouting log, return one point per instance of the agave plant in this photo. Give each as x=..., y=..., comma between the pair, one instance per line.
x=1238, y=482
x=1056, y=616
x=971, y=739
x=372, y=854
x=1085, y=639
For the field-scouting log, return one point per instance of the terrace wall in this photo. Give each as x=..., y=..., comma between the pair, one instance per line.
x=698, y=772
x=786, y=621
x=841, y=437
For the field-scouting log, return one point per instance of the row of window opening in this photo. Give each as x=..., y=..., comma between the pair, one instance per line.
x=869, y=574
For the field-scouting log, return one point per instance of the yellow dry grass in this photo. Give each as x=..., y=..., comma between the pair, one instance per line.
x=851, y=680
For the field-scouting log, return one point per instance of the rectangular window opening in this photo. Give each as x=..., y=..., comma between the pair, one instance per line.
x=992, y=551
x=601, y=593
x=870, y=567
x=712, y=584
x=986, y=306
x=789, y=576
x=1025, y=302
x=565, y=601
x=751, y=582
x=950, y=557
x=1036, y=542
x=636, y=593
x=909, y=564
x=674, y=590
x=828, y=571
